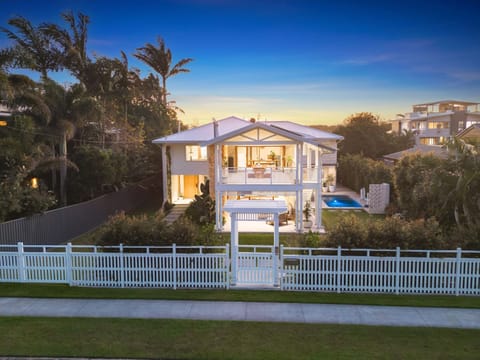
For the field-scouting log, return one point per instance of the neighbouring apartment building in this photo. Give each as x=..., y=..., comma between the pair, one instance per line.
x=436, y=122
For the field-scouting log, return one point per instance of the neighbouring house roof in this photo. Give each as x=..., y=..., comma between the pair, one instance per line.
x=438, y=151
x=472, y=131
x=458, y=102
x=233, y=126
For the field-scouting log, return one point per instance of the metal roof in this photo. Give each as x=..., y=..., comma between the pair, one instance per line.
x=458, y=102
x=204, y=132
x=232, y=125
x=438, y=151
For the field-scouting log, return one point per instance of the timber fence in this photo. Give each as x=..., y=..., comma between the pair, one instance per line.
x=63, y=224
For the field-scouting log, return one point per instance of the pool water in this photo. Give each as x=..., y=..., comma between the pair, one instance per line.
x=340, y=201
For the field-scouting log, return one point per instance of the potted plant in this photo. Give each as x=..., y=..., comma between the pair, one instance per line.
x=331, y=183
x=271, y=156
x=289, y=161
x=307, y=213
x=324, y=186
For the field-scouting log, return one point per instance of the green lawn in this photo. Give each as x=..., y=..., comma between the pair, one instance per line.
x=64, y=291
x=188, y=339
x=331, y=217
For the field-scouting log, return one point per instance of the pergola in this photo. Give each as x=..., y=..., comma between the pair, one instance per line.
x=254, y=210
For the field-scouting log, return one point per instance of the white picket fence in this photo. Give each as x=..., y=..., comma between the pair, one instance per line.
x=167, y=267
x=387, y=271
x=255, y=266
x=453, y=272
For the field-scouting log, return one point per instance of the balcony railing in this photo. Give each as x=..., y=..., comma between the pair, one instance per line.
x=266, y=175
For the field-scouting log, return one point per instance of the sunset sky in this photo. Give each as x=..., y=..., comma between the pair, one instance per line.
x=314, y=62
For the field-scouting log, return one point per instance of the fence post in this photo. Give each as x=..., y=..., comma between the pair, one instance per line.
x=227, y=266
x=339, y=268
x=458, y=264
x=122, y=269
x=68, y=264
x=397, y=270
x=281, y=267
x=21, y=263
x=275, y=266
x=174, y=265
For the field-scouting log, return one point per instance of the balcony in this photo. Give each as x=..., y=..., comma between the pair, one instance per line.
x=434, y=132
x=266, y=175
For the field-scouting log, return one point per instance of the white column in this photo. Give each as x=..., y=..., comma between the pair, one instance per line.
x=164, y=173
x=276, y=249
x=318, y=195
x=299, y=180
x=218, y=195
x=234, y=245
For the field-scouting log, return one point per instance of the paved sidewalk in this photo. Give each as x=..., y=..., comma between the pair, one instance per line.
x=244, y=311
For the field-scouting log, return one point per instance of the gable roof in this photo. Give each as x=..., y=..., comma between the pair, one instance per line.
x=305, y=131
x=233, y=126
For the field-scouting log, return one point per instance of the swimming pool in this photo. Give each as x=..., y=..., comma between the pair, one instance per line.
x=341, y=201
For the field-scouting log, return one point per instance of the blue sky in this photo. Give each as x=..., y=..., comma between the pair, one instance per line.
x=315, y=62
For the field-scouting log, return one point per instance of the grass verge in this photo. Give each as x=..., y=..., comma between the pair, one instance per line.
x=188, y=339
x=64, y=291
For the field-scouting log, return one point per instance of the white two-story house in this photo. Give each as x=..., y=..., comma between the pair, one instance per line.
x=251, y=160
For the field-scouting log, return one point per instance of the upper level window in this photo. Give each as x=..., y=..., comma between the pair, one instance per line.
x=195, y=153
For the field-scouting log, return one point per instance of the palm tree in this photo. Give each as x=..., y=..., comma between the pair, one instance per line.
x=32, y=49
x=57, y=109
x=466, y=197
x=160, y=59
x=72, y=43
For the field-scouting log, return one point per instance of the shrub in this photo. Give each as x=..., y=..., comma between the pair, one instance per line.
x=202, y=210
x=388, y=234
x=349, y=232
x=133, y=231
x=356, y=172
x=154, y=231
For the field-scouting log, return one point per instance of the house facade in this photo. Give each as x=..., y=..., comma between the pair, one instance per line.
x=437, y=122
x=248, y=160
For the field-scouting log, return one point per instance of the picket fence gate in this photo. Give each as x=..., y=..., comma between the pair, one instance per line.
x=452, y=272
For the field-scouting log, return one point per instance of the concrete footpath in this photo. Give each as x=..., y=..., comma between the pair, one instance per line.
x=244, y=311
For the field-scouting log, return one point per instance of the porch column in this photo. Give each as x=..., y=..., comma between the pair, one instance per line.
x=276, y=249
x=234, y=246
x=299, y=181
x=218, y=195
x=164, y=174
x=318, y=197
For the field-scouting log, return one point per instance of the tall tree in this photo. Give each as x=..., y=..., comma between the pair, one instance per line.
x=160, y=60
x=466, y=193
x=32, y=48
x=72, y=43
x=365, y=134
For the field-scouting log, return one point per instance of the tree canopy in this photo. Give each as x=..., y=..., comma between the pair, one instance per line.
x=109, y=115
x=365, y=134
